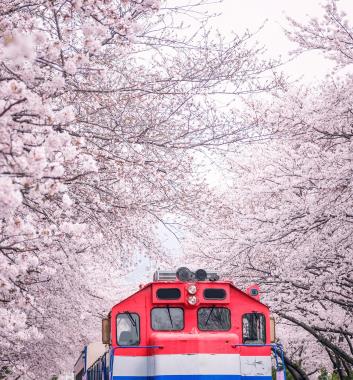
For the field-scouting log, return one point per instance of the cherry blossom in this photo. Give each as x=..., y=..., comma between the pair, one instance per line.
x=285, y=214
x=103, y=110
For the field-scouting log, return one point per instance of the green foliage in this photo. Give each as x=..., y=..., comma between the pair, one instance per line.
x=324, y=375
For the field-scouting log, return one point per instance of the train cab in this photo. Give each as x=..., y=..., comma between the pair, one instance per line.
x=189, y=326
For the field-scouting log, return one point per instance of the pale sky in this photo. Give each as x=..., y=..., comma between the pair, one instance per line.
x=239, y=15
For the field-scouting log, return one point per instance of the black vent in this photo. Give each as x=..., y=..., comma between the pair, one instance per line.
x=168, y=293
x=214, y=294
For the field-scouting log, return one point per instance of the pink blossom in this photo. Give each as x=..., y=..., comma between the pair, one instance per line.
x=11, y=196
x=70, y=66
x=73, y=228
x=58, y=82
x=67, y=201
x=18, y=48
x=88, y=163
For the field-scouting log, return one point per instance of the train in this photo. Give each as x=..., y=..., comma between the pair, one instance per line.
x=185, y=325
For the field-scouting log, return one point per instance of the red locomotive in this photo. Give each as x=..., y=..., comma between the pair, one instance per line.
x=184, y=326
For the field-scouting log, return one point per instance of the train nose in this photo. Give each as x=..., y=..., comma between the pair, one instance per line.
x=196, y=367
x=190, y=356
x=195, y=342
x=209, y=366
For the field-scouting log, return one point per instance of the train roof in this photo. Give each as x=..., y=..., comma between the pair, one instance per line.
x=212, y=279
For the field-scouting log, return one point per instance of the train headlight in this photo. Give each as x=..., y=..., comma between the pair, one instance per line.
x=192, y=289
x=192, y=300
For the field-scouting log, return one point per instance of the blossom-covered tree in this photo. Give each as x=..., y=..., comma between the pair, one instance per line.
x=103, y=110
x=47, y=49
x=286, y=219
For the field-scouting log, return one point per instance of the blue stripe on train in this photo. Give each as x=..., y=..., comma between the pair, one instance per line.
x=193, y=377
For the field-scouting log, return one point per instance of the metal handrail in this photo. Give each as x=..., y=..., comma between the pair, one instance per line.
x=254, y=345
x=114, y=347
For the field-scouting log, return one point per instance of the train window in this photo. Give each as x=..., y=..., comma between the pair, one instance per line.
x=168, y=293
x=254, y=328
x=213, y=318
x=214, y=294
x=128, y=329
x=167, y=318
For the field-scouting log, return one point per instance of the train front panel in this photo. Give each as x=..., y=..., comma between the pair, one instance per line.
x=172, y=330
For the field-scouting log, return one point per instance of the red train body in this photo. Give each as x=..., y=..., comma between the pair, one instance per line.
x=187, y=329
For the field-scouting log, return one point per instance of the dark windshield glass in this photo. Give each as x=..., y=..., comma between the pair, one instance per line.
x=128, y=329
x=254, y=328
x=167, y=318
x=214, y=318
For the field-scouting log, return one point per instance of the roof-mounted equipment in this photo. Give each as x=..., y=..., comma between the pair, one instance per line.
x=184, y=274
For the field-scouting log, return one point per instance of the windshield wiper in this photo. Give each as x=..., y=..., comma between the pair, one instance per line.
x=131, y=318
x=170, y=316
x=133, y=322
x=209, y=315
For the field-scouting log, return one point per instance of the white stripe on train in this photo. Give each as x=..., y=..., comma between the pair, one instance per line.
x=192, y=364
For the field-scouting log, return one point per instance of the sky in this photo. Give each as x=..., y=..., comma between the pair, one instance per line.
x=238, y=16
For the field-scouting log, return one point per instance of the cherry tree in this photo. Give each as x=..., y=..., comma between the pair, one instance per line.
x=103, y=110
x=285, y=220
x=43, y=46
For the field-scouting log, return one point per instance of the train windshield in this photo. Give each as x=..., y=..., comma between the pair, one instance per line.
x=213, y=318
x=167, y=318
x=254, y=328
x=128, y=329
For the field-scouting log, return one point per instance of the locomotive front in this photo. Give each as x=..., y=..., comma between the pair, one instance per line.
x=189, y=326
